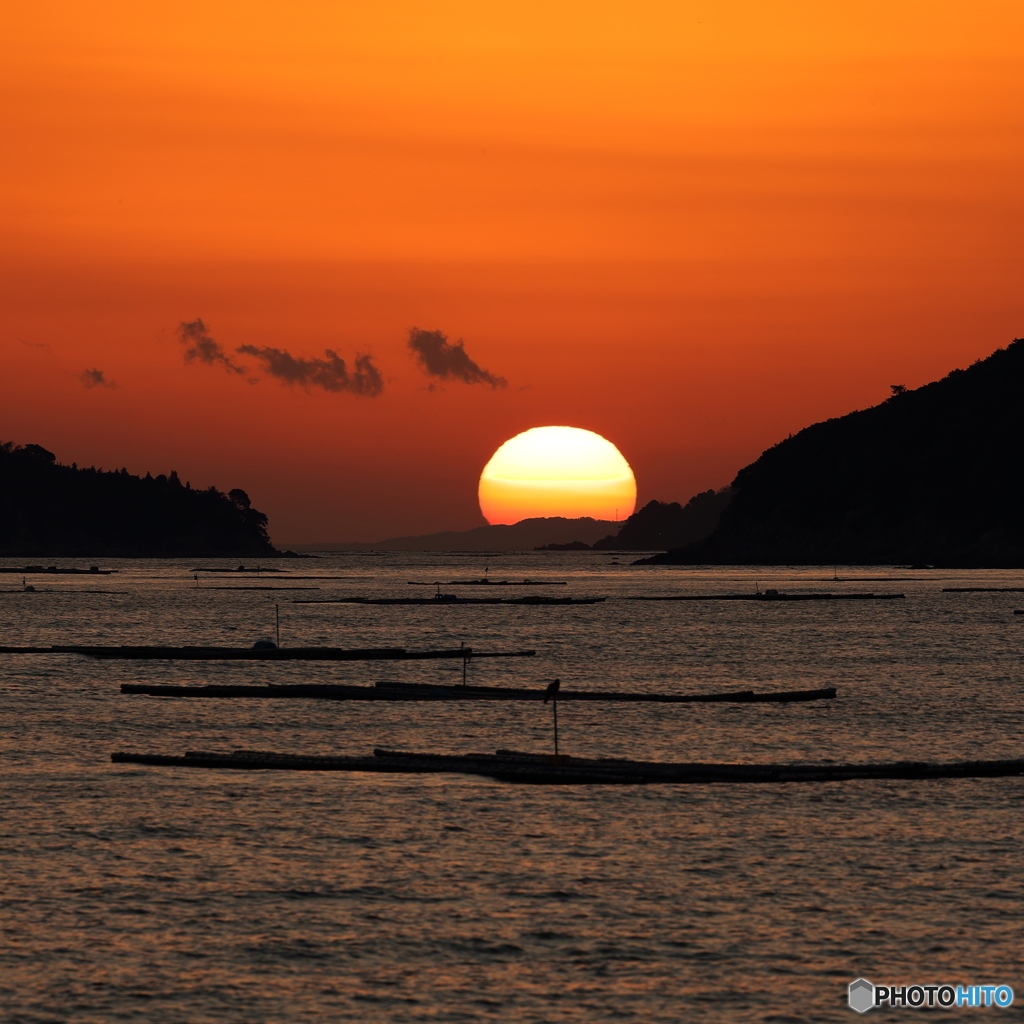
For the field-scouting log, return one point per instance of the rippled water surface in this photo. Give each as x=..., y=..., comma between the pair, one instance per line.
x=186, y=896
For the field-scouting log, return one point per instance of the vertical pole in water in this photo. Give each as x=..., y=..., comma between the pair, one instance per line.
x=277, y=622
x=197, y=581
x=551, y=693
x=462, y=645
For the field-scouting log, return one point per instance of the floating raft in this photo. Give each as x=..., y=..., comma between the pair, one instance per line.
x=287, y=579
x=772, y=595
x=30, y=589
x=241, y=568
x=490, y=583
x=254, y=588
x=52, y=570
x=513, y=766
x=416, y=691
x=863, y=579
x=274, y=654
x=983, y=590
x=448, y=599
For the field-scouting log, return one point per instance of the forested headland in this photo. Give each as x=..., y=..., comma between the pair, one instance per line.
x=929, y=476
x=51, y=510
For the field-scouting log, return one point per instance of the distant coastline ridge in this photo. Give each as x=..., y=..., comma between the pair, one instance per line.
x=657, y=525
x=930, y=476
x=525, y=535
x=660, y=524
x=50, y=510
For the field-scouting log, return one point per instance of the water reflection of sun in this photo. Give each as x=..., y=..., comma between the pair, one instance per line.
x=556, y=471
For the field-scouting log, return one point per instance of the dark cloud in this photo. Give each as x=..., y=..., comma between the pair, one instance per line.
x=201, y=346
x=95, y=379
x=440, y=359
x=331, y=373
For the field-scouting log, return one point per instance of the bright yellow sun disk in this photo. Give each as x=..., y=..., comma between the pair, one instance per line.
x=557, y=471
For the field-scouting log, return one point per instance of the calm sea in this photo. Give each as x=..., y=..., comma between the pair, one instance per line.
x=184, y=896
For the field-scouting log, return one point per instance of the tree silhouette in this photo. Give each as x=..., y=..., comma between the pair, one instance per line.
x=47, y=509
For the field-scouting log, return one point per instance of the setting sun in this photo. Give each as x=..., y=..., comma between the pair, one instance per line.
x=556, y=471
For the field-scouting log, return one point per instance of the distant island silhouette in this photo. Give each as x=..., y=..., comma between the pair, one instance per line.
x=525, y=535
x=47, y=509
x=930, y=476
x=660, y=524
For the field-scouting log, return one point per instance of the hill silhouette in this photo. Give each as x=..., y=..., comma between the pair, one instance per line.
x=47, y=509
x=660, y=524
x=930, y=476
x=522, y=536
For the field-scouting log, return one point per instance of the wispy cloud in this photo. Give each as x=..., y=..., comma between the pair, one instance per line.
x=438, y=358
x=200, y=346
x=95, y=379
x=330, y=374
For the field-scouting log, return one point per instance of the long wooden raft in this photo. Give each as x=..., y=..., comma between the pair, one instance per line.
x=772, y=595
x=273, y=654
x=983, y=590
x=447, y=600
x=513, y=766
x=416, y=691
x=489, y=583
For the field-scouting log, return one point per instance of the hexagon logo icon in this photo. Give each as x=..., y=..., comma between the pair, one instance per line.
x=862, y=995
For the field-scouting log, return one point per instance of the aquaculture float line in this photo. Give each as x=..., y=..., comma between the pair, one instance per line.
x=514, y=766
x=272, y=654
x=52, y=570
x=233, y=576
x=489, y=583
x=428, y=691
x=450, y=599
x=983, y=590
x=772, y=595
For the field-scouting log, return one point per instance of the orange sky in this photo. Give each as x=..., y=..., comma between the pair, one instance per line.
x=691, y=227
